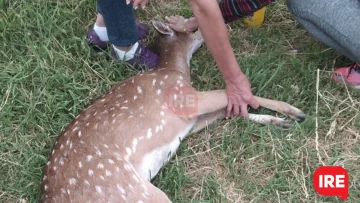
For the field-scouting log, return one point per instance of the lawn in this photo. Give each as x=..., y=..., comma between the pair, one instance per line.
x=48, y=74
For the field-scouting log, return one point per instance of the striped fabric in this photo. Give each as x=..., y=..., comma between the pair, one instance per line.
x=234, y=9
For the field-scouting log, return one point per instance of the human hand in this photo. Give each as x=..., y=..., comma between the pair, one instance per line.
x=180, y=24
x=239, y=93
x=137, y=3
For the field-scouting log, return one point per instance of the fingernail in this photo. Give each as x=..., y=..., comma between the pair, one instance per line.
x=226, y=118
x=135, y=7
x=127, y=2
x=143, y=7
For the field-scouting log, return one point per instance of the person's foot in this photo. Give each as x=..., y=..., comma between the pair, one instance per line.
x=143, y=56
x=95, y=43
x=350, y=74
x=100, y=46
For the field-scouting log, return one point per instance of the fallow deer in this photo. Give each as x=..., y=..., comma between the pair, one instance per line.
x=112, y=149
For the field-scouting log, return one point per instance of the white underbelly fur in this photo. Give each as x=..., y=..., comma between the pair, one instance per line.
x=156, y=159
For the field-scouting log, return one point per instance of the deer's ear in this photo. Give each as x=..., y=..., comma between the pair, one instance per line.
x=162, y=28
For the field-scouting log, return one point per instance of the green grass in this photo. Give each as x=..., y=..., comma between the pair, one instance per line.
x=48, y=74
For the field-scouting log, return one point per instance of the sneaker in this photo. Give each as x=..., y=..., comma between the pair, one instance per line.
x=95, y=43
x=143, y=56
x=100, y=46
x=350, y=74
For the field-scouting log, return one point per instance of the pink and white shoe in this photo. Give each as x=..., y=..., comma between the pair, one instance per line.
x=350, y=74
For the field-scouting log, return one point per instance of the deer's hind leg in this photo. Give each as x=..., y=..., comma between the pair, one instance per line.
x=283, y=108
x=207, y=119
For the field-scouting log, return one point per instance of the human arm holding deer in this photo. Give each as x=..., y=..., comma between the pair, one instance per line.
x=213, y=29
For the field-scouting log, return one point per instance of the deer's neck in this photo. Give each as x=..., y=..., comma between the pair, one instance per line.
x=172, y=59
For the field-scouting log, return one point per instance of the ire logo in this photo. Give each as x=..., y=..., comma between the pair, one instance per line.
x=331, y=181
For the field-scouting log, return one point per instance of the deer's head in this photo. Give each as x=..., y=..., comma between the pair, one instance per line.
x=175, y=44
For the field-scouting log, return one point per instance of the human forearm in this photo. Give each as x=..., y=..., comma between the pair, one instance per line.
x=215, y=34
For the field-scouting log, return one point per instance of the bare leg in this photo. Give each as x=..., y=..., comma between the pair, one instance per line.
x=100, y=20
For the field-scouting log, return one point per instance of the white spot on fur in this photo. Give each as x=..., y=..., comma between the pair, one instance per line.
x=100, y=166
x=134, y=144
x=107, y=173
x=120, y=188
x=135, y=97
x=139, y=90
x=80, y=164
x=153, y=82
x=76, y=128
x=89, y=157
x=149, y=133
x=72, y=181
x=128, y=151
x=127, y=167
x=111, y=161
x=157, y=128
x=163, y=121
x=158, y=91
x=61, y=161
x=98, y=189
x=90, y=172
x=162, y=113
x=135, y=178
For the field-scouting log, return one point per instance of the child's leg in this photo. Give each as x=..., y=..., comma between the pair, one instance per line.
x=123, y=32
x=120, y=22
